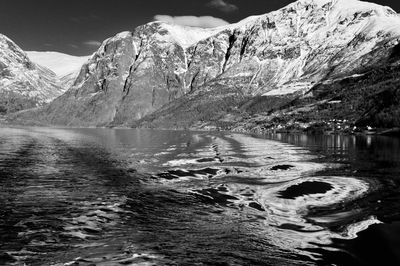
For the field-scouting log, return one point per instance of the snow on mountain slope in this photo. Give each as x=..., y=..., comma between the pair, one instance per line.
x=186, y=36
x=283, y=52
x=308, y=40
x=23, y=84
x=59, y=63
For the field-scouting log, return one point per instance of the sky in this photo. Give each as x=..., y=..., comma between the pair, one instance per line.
x=77, y=27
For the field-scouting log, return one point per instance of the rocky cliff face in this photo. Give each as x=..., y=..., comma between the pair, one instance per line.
x=23, y=84
x=171, y=69
x=304, y=43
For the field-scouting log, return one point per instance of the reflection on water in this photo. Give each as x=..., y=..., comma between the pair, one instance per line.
x=142, y=197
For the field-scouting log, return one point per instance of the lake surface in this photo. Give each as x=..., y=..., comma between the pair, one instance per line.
x=143, y=197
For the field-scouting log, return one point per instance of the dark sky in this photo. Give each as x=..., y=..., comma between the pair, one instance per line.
x=76, y=26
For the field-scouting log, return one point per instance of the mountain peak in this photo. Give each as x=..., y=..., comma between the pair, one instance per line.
x=185, y=36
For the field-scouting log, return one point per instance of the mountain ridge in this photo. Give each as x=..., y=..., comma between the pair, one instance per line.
x=61, y=64
x=283, y=53
x=23, y=84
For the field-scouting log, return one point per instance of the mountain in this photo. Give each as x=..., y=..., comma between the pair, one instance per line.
x=66, y=67
x=61, y=64
x=163, y=75
x=23, y=84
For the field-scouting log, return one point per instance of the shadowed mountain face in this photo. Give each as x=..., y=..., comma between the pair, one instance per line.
x=165, y=75
x=23, y=84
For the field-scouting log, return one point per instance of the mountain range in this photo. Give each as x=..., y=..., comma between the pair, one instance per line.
x=311, y=64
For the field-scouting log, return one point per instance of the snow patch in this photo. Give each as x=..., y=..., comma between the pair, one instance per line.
x=289, y=89
x=187, y=36
x=61, y=64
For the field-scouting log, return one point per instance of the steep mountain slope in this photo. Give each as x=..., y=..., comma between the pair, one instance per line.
x=349, y=38
x=164, y=75
x=132, y=74
x=23, y=84
x=350, y=104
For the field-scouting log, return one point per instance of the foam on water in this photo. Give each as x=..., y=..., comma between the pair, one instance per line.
x=255, y=175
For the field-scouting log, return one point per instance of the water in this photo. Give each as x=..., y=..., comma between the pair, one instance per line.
x=142, y=197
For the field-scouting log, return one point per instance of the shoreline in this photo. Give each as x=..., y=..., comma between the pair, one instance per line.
x=389, y=132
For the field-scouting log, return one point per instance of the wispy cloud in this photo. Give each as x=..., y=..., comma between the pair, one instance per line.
x=222, y=5
x=92, y=43
x=192, y=21
x=73, y=46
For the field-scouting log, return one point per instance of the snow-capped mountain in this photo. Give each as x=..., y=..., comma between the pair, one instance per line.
x=59, y=63
x=65, y=66
x=23, y=84
x=181, y=70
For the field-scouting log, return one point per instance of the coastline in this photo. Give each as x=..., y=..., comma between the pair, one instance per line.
x=314, y=129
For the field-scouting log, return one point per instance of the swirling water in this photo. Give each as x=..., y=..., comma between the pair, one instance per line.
x=143, y=197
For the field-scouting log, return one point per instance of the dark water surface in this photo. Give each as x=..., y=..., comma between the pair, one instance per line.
x=142, y=197
x=375, y=159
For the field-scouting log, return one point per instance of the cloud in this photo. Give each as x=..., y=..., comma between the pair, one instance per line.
x=92, y=43
x=192, y=21
x=73, y=46
x=222, y=6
